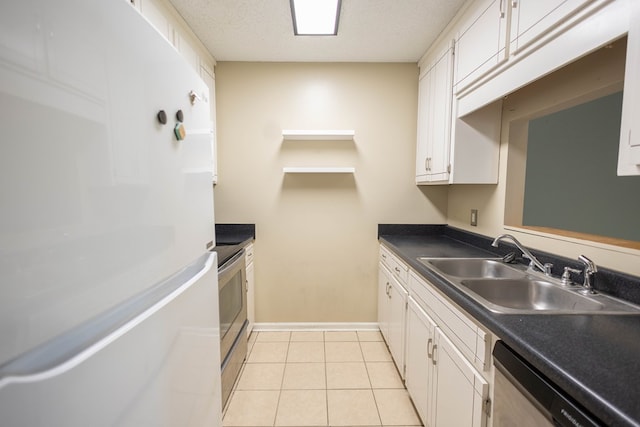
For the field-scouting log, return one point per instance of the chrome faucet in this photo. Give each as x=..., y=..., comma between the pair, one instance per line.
x=589, y=270
x=545, y=268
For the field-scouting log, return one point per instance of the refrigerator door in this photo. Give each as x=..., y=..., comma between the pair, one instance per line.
x=151, y=361
x=99, y=201
x=108, y=307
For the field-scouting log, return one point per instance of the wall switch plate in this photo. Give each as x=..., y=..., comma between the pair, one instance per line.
x=474, y=217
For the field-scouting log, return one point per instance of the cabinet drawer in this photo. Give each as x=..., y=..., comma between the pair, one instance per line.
x=469, y=338
x=398, y=268
x=248, y=252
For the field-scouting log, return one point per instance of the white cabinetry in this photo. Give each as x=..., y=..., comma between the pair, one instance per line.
x=629, y=153
x=250, y=278
x=434, y=120
x=543, y=36
x=481, y=42
x=460, y=151
x=209, y=78
x=531, y=19
x=392, y=305
x=384, y=282
x=421, y=331
x=459, y=391
x=397, y=319
x=445, y=355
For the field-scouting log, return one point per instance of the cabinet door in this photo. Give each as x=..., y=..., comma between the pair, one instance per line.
x=397, y=321
x=157, y=18
x=458, y=389
x=481, y=45
x=251, y=305
x=629, y=153
x=211, y=84
x=434, y=121
x=420, y=336
x=424, y=121
x=531, y=19
x=384, y=282
x=442, y=92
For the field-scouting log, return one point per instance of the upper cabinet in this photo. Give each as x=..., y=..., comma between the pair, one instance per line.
x=501, y=46
x=452, y=150
x=434, y=120
x=481, y=41
x=629, y=153
x=532, y=19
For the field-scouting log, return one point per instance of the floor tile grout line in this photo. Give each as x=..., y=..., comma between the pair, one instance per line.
x=275, y=417
x=370, y=383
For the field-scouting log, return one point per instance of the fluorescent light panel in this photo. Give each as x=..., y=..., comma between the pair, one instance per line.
x=315, y=17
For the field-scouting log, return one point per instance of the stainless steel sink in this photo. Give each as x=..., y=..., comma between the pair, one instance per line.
x=526, y=294
x=504, y=288
x=473, y=267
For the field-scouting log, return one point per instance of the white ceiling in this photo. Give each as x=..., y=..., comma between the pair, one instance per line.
x=369, y=30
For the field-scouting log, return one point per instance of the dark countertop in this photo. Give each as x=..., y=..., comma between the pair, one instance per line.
x=231, y=238
x=594, y=358
x=233, y=234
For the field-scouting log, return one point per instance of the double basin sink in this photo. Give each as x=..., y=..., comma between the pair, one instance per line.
x=506, y=288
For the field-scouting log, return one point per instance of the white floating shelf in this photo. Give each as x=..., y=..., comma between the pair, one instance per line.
x=318, y=170
x=318, y=135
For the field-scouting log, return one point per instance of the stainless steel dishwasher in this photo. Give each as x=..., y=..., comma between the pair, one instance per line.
x=524, y=397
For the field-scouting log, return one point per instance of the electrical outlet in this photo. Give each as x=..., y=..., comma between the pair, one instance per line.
x=474, y=217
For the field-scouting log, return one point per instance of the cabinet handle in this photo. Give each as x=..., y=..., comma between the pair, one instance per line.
x=514, y=4
x=429, y=352
x=433, y=354
x=384, y=256
x=501, y=10
x=387, y=289
x=397, y=269
x=426, y=163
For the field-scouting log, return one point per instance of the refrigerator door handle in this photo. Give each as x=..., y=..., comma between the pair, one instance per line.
x=68, y=350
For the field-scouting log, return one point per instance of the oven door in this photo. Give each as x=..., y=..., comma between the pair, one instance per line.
x=232, y=297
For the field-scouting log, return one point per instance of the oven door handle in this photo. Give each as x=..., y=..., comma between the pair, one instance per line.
x=234, y=264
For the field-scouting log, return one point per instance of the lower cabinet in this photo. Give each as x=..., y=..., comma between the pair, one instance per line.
x=445, y=387
x=458, y=390
x=419, y=376
x=425, y=334
x=384, y=281
x=392, y=302
x=397, y=321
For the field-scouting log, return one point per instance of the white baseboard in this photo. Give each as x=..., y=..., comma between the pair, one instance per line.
x=313, y=326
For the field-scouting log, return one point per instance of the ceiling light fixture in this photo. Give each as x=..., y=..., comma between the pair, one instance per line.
x=315, y=17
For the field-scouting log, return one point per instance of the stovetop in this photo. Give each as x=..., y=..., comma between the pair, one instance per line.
x=226, y=252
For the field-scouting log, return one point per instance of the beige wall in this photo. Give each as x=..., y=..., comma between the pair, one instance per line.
x=316, y=246
x=560, y=88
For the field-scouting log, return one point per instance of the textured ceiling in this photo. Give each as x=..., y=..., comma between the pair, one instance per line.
x=369, y=30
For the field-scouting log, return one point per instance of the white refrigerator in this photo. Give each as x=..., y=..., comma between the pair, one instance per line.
x=108, y=290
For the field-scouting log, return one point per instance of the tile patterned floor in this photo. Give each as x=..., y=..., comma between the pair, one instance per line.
x=319, y=378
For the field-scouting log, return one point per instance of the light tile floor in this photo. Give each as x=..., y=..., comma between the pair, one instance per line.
x=319, y=378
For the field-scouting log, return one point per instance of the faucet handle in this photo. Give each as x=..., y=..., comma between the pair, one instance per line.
x=566, y=276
